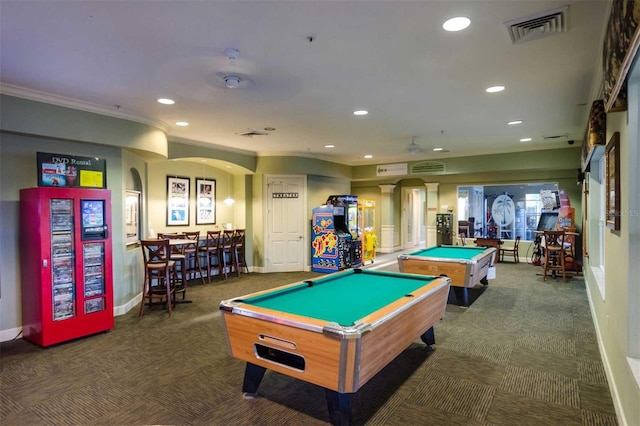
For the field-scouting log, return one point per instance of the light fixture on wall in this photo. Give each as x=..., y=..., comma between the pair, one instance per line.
x=229, y=201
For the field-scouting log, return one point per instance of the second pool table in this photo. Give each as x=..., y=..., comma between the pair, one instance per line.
x=466, y=266
x=336, y=331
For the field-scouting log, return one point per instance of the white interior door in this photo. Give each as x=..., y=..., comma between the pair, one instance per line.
x=286, y=245
x=408, y=218
x=413, y=217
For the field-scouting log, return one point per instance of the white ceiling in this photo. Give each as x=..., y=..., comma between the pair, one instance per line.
x=312, y=64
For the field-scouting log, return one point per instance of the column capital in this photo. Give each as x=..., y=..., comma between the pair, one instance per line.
x=433, y=186
x=387, y=188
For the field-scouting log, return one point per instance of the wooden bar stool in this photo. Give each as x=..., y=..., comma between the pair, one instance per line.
x=210, y=252
x=159, y=274
x=238, y=251
x=554, y=254
x=226, y=255
x=192, y=257
x=178, y=256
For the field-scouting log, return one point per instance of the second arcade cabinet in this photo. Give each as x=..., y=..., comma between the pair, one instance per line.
x=335, y=235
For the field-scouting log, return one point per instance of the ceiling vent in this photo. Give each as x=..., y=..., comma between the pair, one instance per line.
x=253, y=133
x=555, y=137
x=539, y=25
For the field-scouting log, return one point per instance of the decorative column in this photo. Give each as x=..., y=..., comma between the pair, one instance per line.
x=432, y=210
x=386, y=242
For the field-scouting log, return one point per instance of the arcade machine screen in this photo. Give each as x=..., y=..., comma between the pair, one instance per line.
x=548, y=221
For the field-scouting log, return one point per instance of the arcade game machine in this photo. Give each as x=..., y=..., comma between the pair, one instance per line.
x=557, y=214
x=369, y=238
x=547, y=222
x=336, y=243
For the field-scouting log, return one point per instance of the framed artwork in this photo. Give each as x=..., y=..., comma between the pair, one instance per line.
x=613, y=182
x=132, y=216
x=622, y=39
x=205, y=201
x=177, y=200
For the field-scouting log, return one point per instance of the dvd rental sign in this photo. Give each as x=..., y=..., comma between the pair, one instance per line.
x=70, y=171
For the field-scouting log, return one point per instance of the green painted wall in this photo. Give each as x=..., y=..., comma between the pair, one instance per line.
x=517, y=162
x=27, y=117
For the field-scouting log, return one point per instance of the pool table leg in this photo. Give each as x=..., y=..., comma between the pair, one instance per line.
x=253, y=375
x=462, y=295
x=428, y=337
x=339, y=405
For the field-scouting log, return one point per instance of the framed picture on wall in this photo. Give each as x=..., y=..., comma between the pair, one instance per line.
x=132, y=216
x=613, y=182
x=177, y=200
x=205, y=201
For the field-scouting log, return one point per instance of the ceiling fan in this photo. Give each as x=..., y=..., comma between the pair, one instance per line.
x=413, y=147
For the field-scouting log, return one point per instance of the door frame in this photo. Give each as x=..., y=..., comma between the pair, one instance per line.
x=418, y=215
x=265, y=221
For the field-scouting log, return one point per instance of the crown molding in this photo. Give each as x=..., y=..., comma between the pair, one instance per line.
x=35, y=95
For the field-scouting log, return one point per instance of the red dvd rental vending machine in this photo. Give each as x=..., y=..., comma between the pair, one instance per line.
x=65, y=255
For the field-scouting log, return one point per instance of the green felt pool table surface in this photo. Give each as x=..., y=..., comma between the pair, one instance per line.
x=343, y=298
x=450, y=252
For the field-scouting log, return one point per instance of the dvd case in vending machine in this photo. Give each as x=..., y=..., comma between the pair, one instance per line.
x=66, y=263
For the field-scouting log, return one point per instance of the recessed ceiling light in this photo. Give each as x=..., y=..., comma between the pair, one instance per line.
x=182, y=123
x=511, y=123
x=360, y=112
x=329, y=146
x=438, y=149
x=368, y=156
x=525, y=140
x=494, y=89
x=456, y=24
x=166, y=101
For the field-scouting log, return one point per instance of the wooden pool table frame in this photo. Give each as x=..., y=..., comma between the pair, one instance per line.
x=340, y=359
x=465, y=274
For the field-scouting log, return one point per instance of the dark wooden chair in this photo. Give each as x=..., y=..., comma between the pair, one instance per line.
x=511, y=251
x=159, y=274
x=554, y=254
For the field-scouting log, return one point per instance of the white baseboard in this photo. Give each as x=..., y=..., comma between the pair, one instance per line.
x=123, y=309
x=10, y=334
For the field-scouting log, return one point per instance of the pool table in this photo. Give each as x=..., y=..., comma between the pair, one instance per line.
x=336, y=331
x=466, y=266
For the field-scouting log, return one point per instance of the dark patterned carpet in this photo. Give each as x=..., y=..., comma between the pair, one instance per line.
x=524, y=353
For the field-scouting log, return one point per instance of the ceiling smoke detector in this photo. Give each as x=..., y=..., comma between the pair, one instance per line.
x=234, y=80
